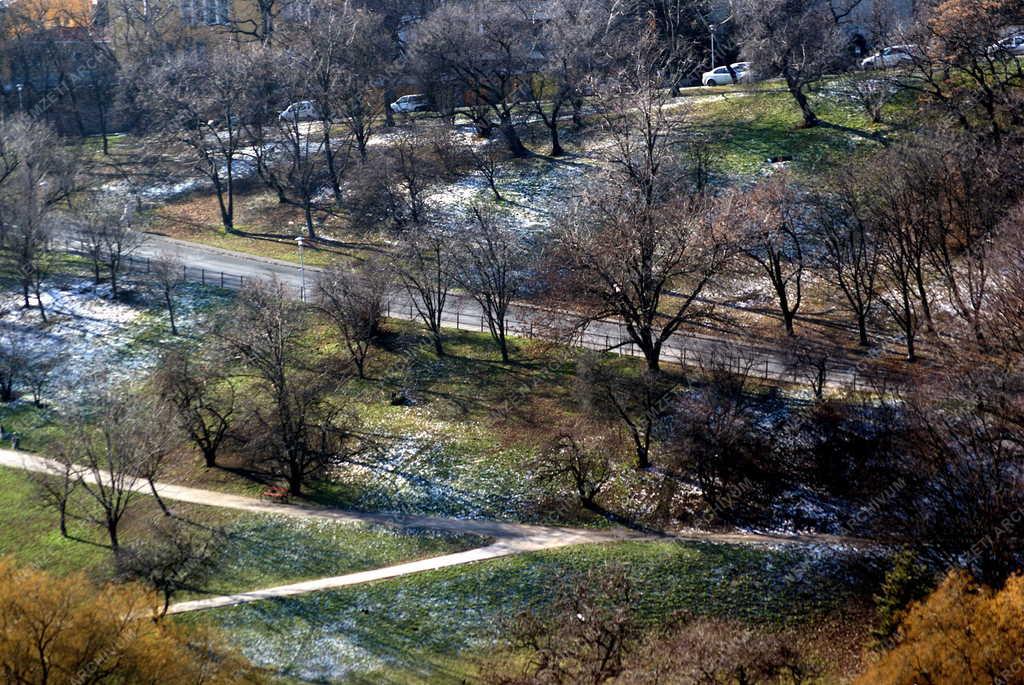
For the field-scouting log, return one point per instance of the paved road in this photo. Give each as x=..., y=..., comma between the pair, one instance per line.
x=686, y=347
x=508, y=538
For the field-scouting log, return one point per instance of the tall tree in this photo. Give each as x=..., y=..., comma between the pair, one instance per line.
x=850, y=252
x=485, y=50
x=426, y=266
x=293, y=421
x=799, y=40
x=37, y=173
x=770, y=220
x=493, y=270
x=193, y=101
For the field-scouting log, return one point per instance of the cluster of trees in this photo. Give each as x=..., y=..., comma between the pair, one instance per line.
x=67, y=630
x=961, y=632
x=590, y=634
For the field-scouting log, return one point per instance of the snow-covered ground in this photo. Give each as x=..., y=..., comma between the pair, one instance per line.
x=93, y=338
x=532, y=193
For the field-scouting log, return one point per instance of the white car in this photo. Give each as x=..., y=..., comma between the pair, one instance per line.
x=722, y=75
x=300, y=111
x=890, y=57
x=410, y=103
x=1012, y=46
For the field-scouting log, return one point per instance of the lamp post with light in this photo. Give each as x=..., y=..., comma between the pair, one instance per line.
x=711, y=29
x=301, y=241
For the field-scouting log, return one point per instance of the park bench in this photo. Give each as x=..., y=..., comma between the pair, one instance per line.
x=275, y=493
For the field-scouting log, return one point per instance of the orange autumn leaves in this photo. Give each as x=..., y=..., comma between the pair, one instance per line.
x=66, y=630
x=962, y=633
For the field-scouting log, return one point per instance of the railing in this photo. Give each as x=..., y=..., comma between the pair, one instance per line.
x=602, y=335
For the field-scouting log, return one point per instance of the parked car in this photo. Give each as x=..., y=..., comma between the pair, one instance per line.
x=1012, y=46
x=890, y=57
x=411, y=103
x=300, y=111
x=722, y=75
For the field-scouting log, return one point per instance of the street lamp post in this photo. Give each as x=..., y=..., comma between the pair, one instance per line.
x=711, y=29
x=302, y=269
x=20, y=87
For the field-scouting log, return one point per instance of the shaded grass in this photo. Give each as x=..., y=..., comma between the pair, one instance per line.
x=431, y=626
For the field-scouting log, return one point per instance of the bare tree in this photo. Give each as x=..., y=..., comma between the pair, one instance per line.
x=639, y=405
x=574, y=36
x=38, y=372
x=37, y=173
x=957, y=37
x=493, y=270
x=55, y=490
x=426, y=265
x=355, y=300
x=202, y=397
x=293, y=421
x=194, y=101
x=645, y=266
x=811, y=362
x=393, y=187
x=168, y=275
x=715, y=438
x=105, y=231
x=583, y=637
x=901, y=218
x=581, y=459
x=483, y=49
x=117, y=449
x=642, y=245
x=770, y=221
x=487, y=160
x=175, y=557
x=14, y=356
x=850, y=251
x=796, y=39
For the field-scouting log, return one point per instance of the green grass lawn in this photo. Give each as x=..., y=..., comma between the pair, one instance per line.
x=429, y=628
x=254, y=551
x=747, y=128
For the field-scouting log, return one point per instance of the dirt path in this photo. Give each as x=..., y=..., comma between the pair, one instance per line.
x=508, y=538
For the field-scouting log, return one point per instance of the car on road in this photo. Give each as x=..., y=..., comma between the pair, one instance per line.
x=890, y=57
x=303, y=110
x=1011, y=46
x=411, y=103
x=722, y=75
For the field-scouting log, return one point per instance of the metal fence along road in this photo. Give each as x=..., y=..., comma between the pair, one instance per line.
x=690, y=349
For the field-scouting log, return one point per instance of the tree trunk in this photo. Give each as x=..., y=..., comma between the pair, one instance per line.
x=796, y=90
x=158, y=498
x=209, y=456
x=331, y=164
x=39, y=301
x=112, y=534
x=556, y=145
x=294, y=478
x=63, y=511
x=787, y=317
x=862, y=330
x=307, y=210
x=389, y=116
x=577, y=113
x=512, y=139
x=643, y=456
